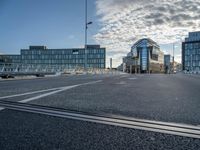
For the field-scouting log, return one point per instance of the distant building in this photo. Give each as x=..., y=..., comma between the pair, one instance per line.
x=168, y=63
x=170, y=66
x=177, y=67
x=191, y=52
x=41, y=56
x=145, y=57
x=128, y=63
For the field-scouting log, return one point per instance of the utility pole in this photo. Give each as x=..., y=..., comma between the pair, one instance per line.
x=191, y=68
x=86, y=34
x=86, y=28
x=173, y=56
x=110, y=63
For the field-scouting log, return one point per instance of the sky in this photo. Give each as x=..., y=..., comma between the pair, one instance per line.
x=117, y=24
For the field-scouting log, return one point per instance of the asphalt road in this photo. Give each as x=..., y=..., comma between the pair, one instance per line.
x=22, y=131
x=168, y=98
x=11, y=87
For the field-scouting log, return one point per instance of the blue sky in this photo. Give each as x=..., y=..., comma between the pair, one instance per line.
x=117, y=24
x=55, y=23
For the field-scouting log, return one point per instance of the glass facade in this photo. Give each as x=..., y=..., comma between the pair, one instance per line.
x=149, y=57
x=144, y=58
x=191, y=52
x=40, y=56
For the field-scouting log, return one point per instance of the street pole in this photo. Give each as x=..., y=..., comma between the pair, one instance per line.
x=173, y=57
x=191, y=63
x=86, y=34
x=111, y=64
x=86, y=28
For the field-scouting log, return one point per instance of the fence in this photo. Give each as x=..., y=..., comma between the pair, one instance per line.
x=50, y=69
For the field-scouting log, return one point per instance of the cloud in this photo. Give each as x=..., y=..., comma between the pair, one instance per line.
x=125, y=21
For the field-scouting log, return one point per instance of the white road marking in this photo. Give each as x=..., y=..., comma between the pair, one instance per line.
x=123, y=76
x=60, y=89
x=28, y=93
x=46, y=94
x=132, y=78
x=131, y=123
x=40, y=91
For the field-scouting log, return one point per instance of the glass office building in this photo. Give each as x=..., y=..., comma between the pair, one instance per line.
x=146, y=57
x=9, y=62
x=42, y=57
x=191, y=52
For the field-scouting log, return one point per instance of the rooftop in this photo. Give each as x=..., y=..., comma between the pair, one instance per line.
x=193, y=36
x=149, y=41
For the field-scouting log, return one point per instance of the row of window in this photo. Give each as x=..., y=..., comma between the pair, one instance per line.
x=96, y=51
x=194, y=63
x=192, y=45
x=98, y=56
x=68, y=66
x=192, y=57
x=62, y=52
x=63, y=61
x=192, y=68
x=96, y=61
x=192, y=51
x=96, y=65
x=14, y=56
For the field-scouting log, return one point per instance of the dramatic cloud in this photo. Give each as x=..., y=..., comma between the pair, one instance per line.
x=125, y=21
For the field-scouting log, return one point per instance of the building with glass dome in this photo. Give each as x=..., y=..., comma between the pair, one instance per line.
x=145, y=57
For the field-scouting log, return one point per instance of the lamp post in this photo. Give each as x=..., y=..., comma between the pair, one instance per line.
x=86, y=28
x=179, y=40
x=191, y=69
x=111, y=64
x=173, y=56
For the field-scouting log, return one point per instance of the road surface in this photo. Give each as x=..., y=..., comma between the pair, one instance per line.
x=166, y=98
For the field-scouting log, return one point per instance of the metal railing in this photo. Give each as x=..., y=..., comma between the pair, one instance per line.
x=8, y=68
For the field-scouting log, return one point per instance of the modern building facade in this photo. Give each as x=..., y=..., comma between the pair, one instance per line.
x=191, y=52
x=41, y=57
x=145, y=57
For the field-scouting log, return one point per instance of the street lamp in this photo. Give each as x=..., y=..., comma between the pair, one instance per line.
x=86, y=28
x=191, y=69
x=180, y=40
x=173, y=55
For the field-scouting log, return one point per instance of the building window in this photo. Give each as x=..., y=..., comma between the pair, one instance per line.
x=75, y=52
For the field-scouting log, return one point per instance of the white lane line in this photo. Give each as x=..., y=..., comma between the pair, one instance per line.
x=46, y=94
x=40, y=91
x=123, y=77
x=57, y=91
x=60, y=89
x=28, y=93
x=132, y=78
